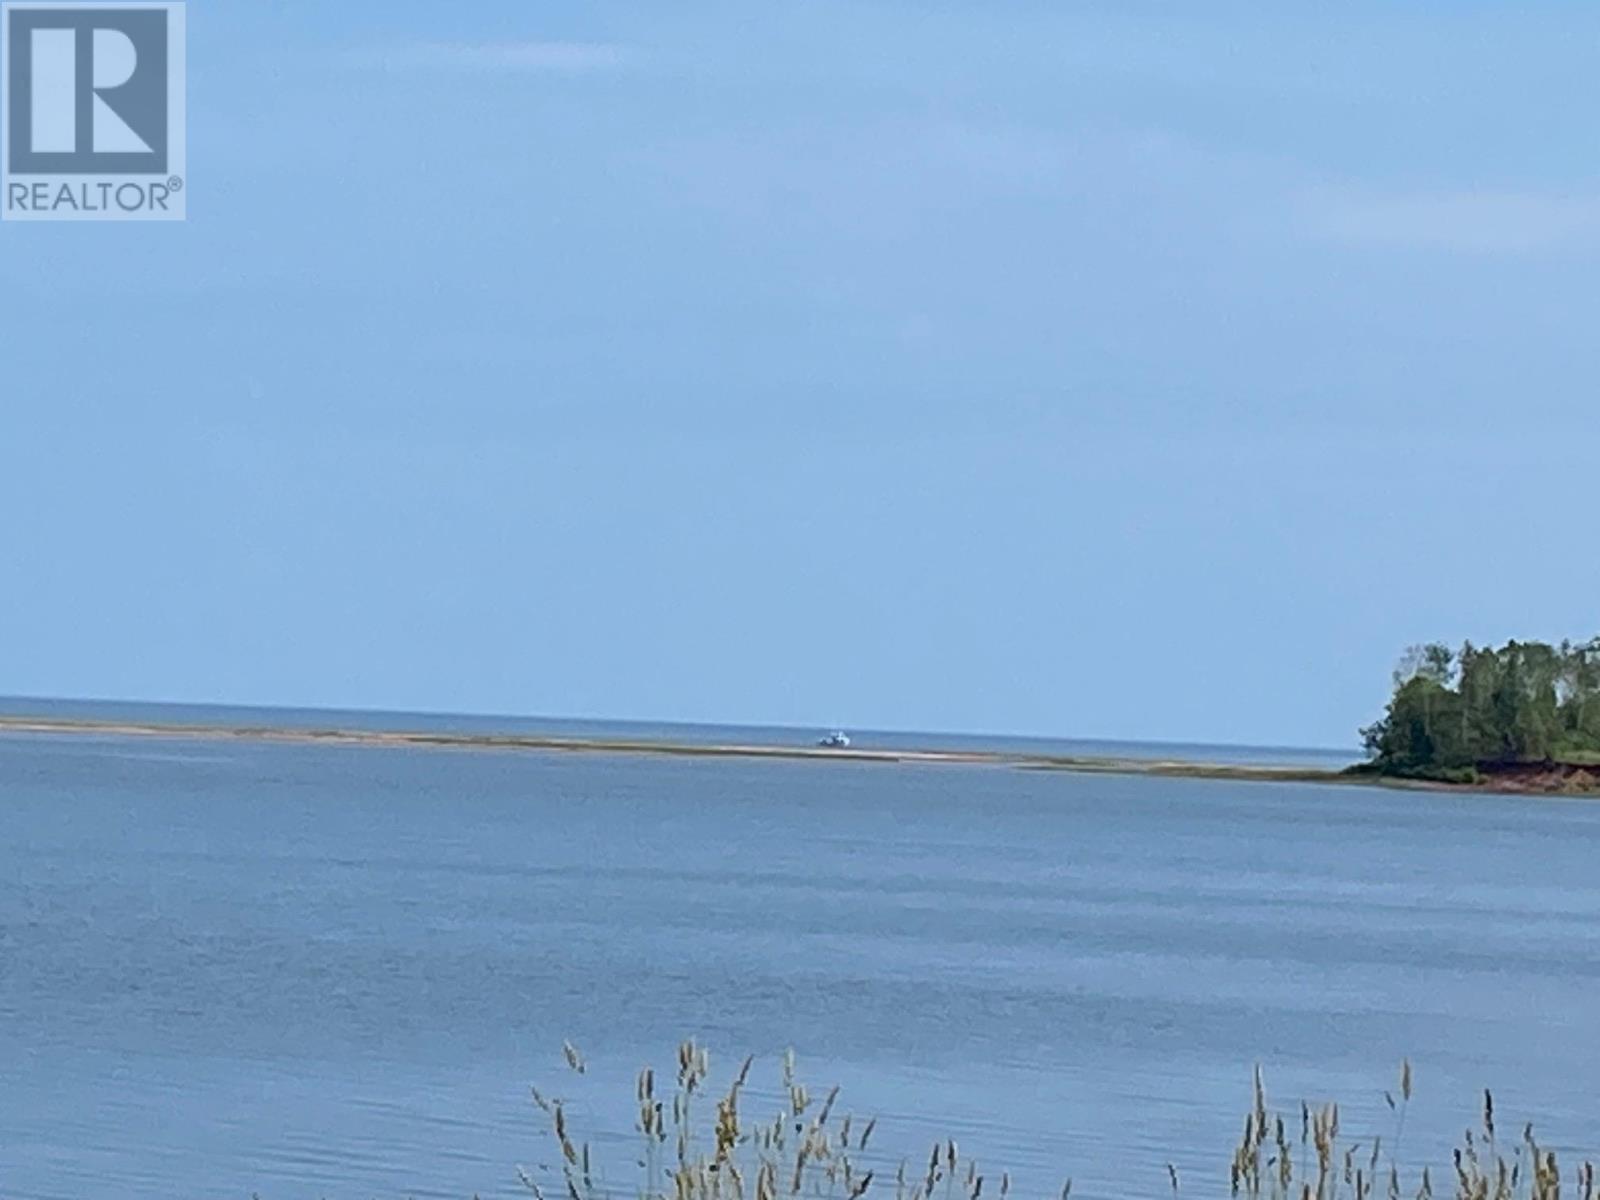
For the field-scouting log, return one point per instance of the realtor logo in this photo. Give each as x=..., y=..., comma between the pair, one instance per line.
x=93, y=119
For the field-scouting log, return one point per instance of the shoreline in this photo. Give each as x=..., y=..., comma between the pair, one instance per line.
x=422, y=739
x=440, y=740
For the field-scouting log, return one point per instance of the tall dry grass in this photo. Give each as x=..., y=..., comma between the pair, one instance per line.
x=695, y=1146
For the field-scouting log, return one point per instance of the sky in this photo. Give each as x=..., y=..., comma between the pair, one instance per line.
x=1121, y=370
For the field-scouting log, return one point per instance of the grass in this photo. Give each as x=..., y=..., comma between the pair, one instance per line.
x=695, y=1146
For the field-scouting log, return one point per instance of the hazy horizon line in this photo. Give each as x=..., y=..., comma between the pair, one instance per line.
x=13, y=699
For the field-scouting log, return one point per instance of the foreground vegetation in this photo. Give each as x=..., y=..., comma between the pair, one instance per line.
x=699, y=1148
x=1479, y=714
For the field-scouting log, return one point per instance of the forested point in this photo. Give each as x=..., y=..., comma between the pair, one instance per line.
x=1459, y=716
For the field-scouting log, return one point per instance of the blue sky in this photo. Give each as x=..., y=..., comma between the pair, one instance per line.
x=1125, y=370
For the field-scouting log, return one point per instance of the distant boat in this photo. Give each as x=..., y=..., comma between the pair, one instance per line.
x=837, y=740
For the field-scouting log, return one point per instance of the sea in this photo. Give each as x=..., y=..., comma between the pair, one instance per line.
x=232, y=968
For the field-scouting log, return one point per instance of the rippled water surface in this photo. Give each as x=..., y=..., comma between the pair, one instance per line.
x=333, y=971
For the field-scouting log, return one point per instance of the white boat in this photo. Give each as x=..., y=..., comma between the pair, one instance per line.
x=837, y=740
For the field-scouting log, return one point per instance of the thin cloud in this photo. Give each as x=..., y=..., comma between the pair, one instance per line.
x=1462, y=221
x=561, y=58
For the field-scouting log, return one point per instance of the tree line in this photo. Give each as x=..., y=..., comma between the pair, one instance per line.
x=1458, y=712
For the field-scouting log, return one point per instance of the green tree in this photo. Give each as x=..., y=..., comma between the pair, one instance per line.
x=1527, y=702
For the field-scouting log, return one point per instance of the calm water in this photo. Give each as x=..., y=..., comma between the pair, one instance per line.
x=326, y=971
x=743, y=735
